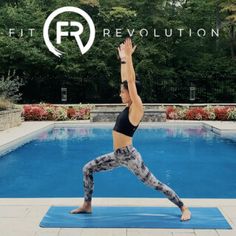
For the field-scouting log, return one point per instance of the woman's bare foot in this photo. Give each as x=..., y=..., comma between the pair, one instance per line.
x=186, y=214
x=86, y=208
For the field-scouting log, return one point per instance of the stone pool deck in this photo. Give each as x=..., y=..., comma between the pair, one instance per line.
x=21, y=216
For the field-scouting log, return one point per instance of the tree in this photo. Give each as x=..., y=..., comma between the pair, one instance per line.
x=229, y=8
x=166, y=65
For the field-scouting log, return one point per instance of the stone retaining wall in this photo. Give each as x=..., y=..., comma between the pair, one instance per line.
x=108, y=113
x=10, y=118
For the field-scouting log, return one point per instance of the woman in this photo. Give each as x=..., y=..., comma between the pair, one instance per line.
x=124, y=153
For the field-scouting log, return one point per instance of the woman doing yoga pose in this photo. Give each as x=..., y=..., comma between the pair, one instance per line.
x=124, y=153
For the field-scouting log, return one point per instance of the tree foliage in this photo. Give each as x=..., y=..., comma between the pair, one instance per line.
x=167, y=66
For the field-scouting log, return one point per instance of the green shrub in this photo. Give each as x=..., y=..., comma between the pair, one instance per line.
x=9, y=86
x=5, y=104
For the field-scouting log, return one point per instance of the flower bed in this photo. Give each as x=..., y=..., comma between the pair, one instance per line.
x=201, y=113
x=82, y=112
x=53, y=112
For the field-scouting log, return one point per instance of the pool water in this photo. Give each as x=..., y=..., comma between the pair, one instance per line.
x=195, y=162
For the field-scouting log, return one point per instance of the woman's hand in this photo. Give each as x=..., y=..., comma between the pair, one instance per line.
x=128, y=47
x=121, y=51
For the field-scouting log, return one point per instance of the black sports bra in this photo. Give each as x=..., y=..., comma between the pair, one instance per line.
x=123, y=124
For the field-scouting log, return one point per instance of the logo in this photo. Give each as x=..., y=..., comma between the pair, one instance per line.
x=76, y=34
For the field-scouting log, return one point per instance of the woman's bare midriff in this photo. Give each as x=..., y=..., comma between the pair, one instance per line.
x=120, y=140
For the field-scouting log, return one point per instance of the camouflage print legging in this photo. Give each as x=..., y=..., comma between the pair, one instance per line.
x=128, y=157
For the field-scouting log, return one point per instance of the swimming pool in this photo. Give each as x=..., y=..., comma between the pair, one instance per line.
x=194, y=161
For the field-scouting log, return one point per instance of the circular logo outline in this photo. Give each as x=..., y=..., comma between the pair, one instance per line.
x=59, y=11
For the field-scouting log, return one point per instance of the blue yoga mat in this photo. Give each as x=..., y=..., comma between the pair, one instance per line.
x=134, y=217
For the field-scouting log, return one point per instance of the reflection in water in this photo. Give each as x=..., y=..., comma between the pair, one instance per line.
x=188, y=132
x=66, y=133
x=85, y=132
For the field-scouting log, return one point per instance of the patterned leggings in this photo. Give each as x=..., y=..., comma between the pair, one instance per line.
x=128, y=157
